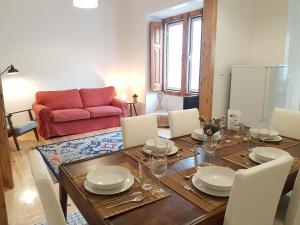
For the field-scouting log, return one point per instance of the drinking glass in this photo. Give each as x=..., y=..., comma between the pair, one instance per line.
x=145, y=173
x=200, y=157
x=158, y=169
x=161, y=147
x=264, y=133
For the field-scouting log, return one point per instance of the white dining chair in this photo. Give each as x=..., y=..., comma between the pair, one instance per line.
x=136, y=130
x=255, y=193
x=288, y=211
x=46, y=190
x=183, y=122
x=286, y=122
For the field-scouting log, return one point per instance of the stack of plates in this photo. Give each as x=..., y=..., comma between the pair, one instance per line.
x=201, y=136
x=108, y=180
x=160, y=145
x=266, y=154
x=214, y=180
x=271, y=135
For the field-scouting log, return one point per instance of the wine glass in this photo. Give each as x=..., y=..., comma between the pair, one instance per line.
x=159, y=169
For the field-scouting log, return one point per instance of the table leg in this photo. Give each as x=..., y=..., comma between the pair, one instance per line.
x=134, y=109
x=63, y=198
x=130, y=109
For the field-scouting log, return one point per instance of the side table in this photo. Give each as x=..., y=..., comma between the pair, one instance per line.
x=132, y=107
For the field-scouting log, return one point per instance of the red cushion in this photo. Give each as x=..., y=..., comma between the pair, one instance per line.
x=66, y=99
x=102, y=111
x=65, y=115
x=97, y=96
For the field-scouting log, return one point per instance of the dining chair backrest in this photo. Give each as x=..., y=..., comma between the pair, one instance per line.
x=292, y=216
x=46, y=190
x=183, y=122
x=286, y=122
x=256, y=192
x=136, y=130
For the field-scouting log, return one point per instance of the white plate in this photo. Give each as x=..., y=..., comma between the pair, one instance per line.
x=150, y=144
x=264, y=132
x=268, y=153
x=197, y=137
x=172, y=151
x=125, y=186
x=201, y=187
x=217, y=178
x=108, y=177
x=254, y=158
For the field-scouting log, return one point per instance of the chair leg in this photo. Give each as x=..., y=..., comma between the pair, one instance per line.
x=36, y=135
x=16, y=143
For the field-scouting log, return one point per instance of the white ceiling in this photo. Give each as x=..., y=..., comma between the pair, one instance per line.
x=179, y=9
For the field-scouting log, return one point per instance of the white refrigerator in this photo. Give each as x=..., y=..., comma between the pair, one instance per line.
x=257, y=90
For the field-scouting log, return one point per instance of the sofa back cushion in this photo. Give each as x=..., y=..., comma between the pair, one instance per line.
x=66, y=99
x=92, y=97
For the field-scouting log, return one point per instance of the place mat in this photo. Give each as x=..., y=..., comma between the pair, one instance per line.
x=137, y=153
x=206, y=202
x=101, y=202
x=190, y=140
x=241, y=158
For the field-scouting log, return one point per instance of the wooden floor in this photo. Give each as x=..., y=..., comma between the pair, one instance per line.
x=23, y=204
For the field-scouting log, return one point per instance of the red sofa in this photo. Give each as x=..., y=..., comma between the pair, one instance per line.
x=75, y=111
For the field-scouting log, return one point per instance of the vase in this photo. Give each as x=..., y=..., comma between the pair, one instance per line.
x=135, y=99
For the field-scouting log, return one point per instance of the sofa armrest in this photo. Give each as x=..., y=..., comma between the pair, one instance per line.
x=120, y=104
x=42, y=112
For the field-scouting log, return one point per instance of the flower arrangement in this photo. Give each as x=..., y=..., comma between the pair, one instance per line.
x=210, y=127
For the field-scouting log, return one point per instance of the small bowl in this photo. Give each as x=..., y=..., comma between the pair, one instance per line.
x=255, y=132
x=108, y=177
x=217, y=178
x=267, y=154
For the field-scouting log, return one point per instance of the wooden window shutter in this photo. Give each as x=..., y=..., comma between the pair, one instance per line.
x=156, y=56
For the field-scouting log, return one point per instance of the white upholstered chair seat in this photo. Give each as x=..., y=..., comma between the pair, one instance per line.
x=136, y=130
x=46, y=190
x=256, y=192
x=183, y=122
x=286, y=122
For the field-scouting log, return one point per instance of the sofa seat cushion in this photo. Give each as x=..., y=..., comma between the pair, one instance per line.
x=102, y=111
x=65, y=115
x=54, y=100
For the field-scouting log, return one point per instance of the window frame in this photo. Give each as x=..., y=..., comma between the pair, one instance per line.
x=186, y=19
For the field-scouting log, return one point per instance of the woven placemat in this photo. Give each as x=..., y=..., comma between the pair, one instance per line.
x=190, y=140
x=101, y=202
x=241, y=158
x=137, y=153
x=205, y=202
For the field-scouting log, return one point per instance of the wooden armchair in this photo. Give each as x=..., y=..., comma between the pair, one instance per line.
x=19, y=128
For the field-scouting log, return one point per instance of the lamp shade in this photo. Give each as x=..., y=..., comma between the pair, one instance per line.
x=85, y=4
x=12, y=70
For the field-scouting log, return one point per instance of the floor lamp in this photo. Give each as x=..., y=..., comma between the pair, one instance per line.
x=6, y=176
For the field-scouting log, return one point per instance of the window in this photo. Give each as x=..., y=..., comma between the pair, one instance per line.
x=175, y=54
x=182, y=53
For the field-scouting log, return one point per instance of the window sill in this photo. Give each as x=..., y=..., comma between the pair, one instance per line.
x=178, y=93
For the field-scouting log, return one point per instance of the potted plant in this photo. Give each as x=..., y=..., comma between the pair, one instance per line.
x=210, y=127
x=135, y=97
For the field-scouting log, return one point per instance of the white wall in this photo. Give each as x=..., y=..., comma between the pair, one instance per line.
x=248, y=32
x=57, y=46
x=293, y=51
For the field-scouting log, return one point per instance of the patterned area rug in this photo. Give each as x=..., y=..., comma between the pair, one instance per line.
x=82, y=148
x=73, y=219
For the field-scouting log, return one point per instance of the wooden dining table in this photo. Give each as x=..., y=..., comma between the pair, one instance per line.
x=172, y=210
